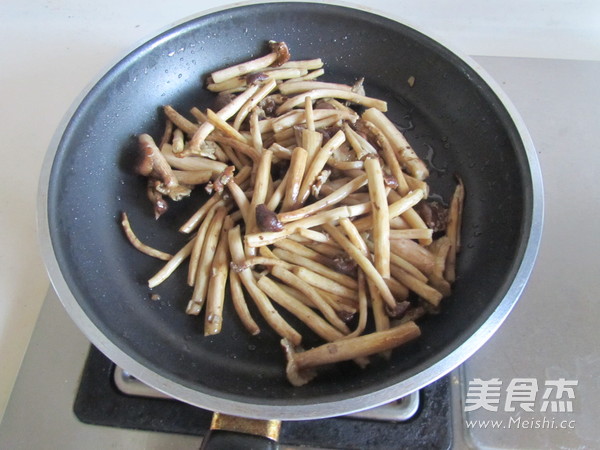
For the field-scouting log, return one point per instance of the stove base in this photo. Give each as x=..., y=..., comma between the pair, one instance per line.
x=100, y=402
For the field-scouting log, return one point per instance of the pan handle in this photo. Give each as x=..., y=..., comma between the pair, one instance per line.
x=240, y=433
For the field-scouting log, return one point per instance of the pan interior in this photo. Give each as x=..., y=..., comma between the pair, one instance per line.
x=452, y=118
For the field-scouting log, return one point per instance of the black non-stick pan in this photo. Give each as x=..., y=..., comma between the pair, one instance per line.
x=455, y=117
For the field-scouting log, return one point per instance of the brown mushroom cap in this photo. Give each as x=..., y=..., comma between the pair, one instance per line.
x=283, y=53
x=266, y=219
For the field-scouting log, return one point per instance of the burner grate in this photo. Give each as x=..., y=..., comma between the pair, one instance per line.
x=398, y=411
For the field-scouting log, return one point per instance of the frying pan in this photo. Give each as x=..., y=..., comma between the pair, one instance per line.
x=454, y=115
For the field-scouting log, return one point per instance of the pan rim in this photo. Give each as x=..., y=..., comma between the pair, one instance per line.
x=308, y=410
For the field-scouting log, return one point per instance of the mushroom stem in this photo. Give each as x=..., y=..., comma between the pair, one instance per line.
x=244, y=68
x=278, y=56
x=153, y=164
x=308, y=64
x=329, y=216
x=369, y=102
x=139, y=244
x=318, y=162
x=191, y=162
x=224, y=113
x=346, y=349
x=364, y=262
x=264, y=305
x=296, y=87
x=332, y=199
x=404, y=152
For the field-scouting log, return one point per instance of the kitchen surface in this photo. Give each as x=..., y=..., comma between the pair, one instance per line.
x=544, y=54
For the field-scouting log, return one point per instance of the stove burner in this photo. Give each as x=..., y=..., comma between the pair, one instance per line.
x=426, y=420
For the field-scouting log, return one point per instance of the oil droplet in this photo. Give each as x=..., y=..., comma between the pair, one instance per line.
x=408, y=125
x=429, y=158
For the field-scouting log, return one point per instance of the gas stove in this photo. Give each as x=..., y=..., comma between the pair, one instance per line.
x=108, y=396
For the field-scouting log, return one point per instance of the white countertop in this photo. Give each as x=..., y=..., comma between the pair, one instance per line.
x=51, y=50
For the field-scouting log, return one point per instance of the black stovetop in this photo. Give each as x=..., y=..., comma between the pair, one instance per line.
x=99, y=402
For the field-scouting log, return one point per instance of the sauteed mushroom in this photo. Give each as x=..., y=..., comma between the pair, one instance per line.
x=313, y=208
